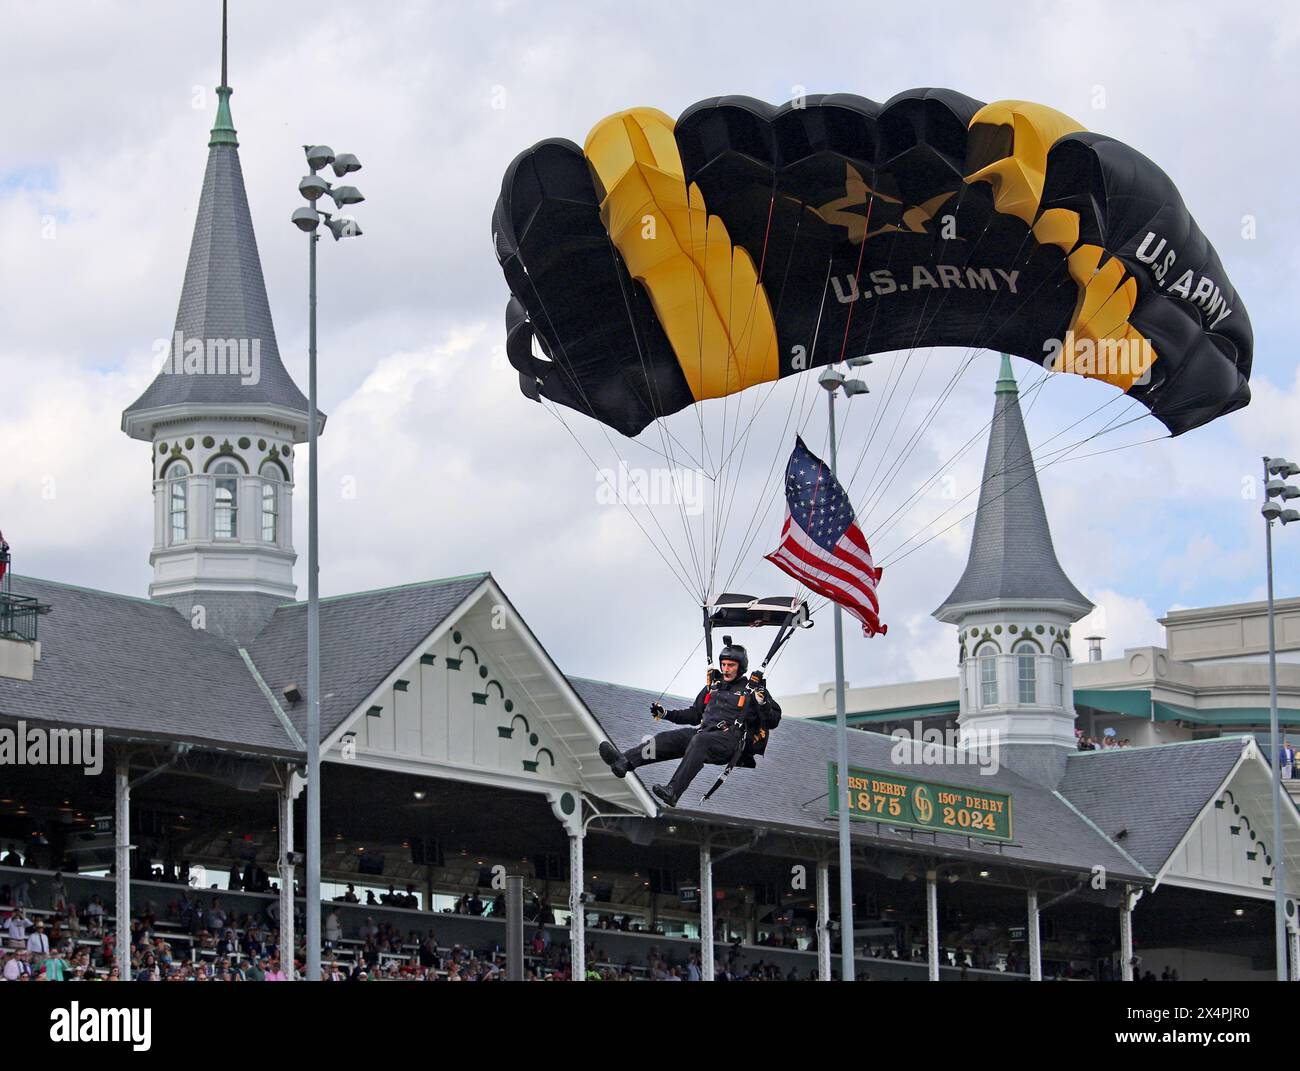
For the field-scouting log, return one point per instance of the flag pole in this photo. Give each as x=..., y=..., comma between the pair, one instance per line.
x=847, y=965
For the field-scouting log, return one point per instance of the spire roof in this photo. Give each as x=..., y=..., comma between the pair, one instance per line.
x=1011, y=552
x=223, y=298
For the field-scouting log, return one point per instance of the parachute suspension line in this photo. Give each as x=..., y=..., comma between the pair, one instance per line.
x=887, y=479
x=798, y=392
x=874, y=499
x=682, y=576
x=762, y=508
x=617, y=453
x=884, y=527
x=894, y=557
x=727, y=503
x=857, y=275
x=944, y=395
x=659, y=424
x=683, y=666
x=1028, y=462
x=892, y=383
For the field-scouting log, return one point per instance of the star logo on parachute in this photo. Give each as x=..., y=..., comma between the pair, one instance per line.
x=889, y=213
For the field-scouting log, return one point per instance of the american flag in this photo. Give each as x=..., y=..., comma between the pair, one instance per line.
x=821, y=544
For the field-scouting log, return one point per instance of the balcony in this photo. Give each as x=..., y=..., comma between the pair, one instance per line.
x=18, y=614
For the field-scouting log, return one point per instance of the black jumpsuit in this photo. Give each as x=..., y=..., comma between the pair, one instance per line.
x=717, y=713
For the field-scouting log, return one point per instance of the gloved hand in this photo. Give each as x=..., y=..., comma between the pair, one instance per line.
x=657, y=709
x=758, y=683
x=715, y=677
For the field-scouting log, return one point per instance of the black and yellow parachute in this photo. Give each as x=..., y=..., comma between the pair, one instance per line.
x=664, y=263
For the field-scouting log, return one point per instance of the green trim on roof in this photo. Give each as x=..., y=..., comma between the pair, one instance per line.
x=1135, y=702
x=398, y=587
x=1224, y=715
x=923, y=710
x=223, y=132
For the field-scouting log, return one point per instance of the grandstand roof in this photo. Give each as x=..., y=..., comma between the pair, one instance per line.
x=788, y=789
x=1152, y=793
x=136, y=668
x=363, y=638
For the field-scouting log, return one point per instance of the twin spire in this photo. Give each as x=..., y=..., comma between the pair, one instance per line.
x=223, y=304
x=1011, y=554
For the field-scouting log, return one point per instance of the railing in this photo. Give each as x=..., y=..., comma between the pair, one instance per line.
x=18, y=614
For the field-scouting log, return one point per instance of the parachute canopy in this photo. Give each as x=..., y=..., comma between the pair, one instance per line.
x=664, y=263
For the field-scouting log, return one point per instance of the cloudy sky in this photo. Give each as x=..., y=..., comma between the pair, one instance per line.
x=102, y=148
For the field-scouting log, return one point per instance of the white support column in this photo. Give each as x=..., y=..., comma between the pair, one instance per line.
x=1035, y=947
x=706, y=913
x=823, y=922
x=285, y=826
x=1293, y=946
x=122, y=854
x=578, y=912
x=932, y=921
x=1126, y=938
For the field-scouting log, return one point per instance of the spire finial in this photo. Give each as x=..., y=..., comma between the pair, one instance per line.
x=1006, y=377
x=223, y=133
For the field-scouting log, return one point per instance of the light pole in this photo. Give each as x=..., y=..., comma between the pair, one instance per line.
x=832, y=381
x=1275, y=487
x=312, y=187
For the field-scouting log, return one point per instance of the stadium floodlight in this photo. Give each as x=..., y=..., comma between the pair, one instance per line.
x=345, y=195
x=306, y=219
x=855, y=386
x=312, y=186
x=318, y=156
x=343, y=227
x=831, y=379
x=858, y=362
x=1276, y=488
x=345, y=163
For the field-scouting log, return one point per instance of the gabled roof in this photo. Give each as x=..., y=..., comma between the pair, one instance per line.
x=1011, y=552
x=223, y=297
x=788, y=788
x=136, y=668
x=363, y=638
x=1155, y=793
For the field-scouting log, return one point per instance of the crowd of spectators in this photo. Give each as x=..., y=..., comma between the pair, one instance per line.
x=196, y=937
x=1109, y=740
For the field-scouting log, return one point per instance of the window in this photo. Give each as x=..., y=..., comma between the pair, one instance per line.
x=1058, y=673
x=178, y=500
x=988, y=680
x=226, y=500
x=270, y=502
x=1027, y=667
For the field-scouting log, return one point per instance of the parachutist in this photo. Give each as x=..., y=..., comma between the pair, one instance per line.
x=732, y=717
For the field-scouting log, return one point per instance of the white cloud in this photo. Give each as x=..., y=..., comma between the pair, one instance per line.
x=455, y=471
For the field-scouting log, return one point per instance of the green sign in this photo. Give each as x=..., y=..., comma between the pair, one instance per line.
x=885, y=796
